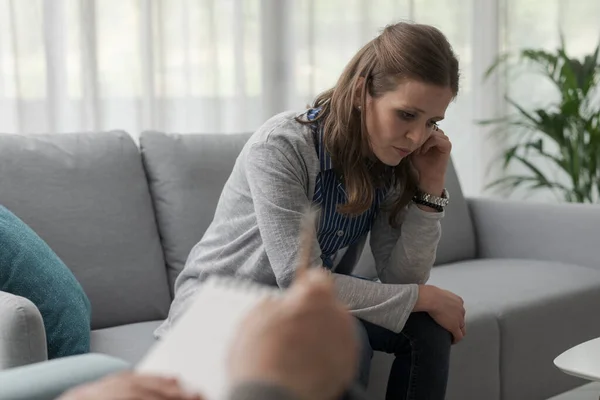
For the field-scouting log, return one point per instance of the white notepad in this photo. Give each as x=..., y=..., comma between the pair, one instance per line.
x=196, y=348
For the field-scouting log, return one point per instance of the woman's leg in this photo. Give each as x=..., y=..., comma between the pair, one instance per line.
x=364, y=360
x=365, y=355
x=422, y=350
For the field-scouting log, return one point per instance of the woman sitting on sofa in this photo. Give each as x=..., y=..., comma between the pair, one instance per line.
x=370, y=155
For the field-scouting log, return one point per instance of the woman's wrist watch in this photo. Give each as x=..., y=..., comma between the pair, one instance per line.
x=438, y=203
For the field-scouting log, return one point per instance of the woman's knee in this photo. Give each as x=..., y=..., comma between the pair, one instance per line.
x=422, y=330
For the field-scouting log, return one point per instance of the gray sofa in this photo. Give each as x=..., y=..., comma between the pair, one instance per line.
x=124, y=221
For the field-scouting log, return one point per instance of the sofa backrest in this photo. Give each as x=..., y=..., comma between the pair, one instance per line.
x=458, y=234
x=87, y=196
x=186, y=174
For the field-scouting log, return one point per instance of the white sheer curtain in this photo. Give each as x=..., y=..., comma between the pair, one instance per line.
x=225, y=66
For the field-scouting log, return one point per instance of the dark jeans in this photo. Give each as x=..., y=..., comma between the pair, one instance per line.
x=422, y=350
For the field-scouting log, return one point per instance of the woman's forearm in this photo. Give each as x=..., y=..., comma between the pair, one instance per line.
x=386, y=305
x=406, y=255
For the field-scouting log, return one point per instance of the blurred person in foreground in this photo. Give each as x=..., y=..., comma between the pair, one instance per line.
x=300, y=347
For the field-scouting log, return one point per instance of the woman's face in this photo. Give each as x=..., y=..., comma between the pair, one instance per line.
x=400, y=121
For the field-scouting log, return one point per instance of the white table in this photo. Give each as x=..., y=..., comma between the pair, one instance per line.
x=582, y=361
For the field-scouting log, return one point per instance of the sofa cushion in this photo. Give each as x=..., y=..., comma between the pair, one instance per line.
x=542, y=308
x=127, y=342
x=186, y=175
x=474, y=362
x=86, y=195
x=30, y=269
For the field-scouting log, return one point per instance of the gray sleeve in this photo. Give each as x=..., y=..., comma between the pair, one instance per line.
x=406, y=254
x=403, y=258
x=280, y=198
x=260, y=391
x=386, y=305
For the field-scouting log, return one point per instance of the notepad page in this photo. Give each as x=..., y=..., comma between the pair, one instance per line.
x=196, y=348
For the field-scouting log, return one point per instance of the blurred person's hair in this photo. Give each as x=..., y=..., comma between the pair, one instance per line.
x=402, y=51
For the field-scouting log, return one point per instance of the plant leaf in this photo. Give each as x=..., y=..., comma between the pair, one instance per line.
x=536, y=171
x=500, y=60
x=522, y=111
x=572, y=124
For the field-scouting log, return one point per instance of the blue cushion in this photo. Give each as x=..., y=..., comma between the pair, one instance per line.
x=29, y=268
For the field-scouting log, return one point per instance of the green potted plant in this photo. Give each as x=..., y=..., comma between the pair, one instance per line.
x=565, y=135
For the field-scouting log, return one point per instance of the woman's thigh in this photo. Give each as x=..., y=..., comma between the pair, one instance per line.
x=420, y=332
x=365, y=354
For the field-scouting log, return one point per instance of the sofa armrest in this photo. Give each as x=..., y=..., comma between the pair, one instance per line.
x=51, y=378
x=22, y=334
x=566, y=233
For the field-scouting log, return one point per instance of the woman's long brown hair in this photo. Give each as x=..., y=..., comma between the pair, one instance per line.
x=402, y=51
